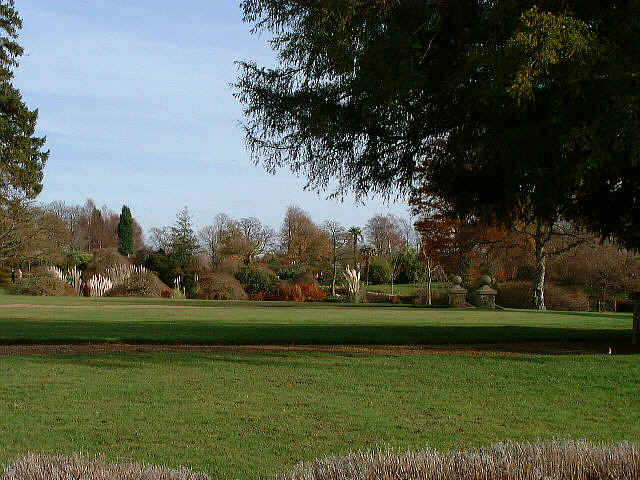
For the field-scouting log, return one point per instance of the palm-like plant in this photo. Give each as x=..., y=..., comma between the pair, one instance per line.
x=367, y=254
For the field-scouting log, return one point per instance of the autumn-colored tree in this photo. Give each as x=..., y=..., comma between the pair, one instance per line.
x=450, y=242
x=301, y=240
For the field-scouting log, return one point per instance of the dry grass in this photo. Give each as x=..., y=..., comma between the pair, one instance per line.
x=40, y=467
x=552, y=461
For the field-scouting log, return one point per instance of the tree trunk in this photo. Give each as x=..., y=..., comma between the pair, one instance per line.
x=391, y=283
x=355, y=250
x=541, y=260
x=333, y=281
x=429, y=285
x=636, y=321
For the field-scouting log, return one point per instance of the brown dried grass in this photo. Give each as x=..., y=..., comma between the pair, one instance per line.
x=550, y=461
x=41, y=467
x=567, y=460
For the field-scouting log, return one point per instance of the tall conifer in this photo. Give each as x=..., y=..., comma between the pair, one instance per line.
x=126, y=240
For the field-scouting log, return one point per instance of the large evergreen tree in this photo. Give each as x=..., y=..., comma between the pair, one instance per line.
x=126, y=238
x=505, y=111
x=22, y=157
x=184, y=243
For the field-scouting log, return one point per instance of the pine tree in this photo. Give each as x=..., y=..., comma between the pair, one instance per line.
x=21, y=156
x=184, y=244
x=126, y=240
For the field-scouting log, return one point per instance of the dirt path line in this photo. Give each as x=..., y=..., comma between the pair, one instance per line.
x=478, y=350
x=88, y=306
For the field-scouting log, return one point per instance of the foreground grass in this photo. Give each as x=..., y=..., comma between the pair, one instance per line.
x=251, y=416
x=305, y=325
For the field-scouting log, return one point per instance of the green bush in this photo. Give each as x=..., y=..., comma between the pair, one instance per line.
x=38, y=282
x=165, y=266
x=379, y=271
x=409, y=266
x=78, y=259
x=290, y=273
x=256, y=280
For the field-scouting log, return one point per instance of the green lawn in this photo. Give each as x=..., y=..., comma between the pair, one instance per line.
x=251, y=416
x=300, y=324
x=405, y=289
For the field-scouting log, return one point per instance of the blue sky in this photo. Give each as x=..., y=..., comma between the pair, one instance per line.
x=135, y=101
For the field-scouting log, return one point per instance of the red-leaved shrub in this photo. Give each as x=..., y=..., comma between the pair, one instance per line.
x=304, y=292
x=312, y=292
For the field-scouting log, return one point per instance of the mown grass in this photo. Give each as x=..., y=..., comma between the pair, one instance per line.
x=304, y=325
x=405, y=289
x=251, y=416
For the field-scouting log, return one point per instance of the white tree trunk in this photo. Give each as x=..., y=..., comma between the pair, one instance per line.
x=429, y=283
x=541, y=260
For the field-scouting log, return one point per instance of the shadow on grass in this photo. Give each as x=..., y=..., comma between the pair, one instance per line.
x=562, y=339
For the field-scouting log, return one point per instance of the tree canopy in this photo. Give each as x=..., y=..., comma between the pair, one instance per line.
x=22, y=157
x=508, y=111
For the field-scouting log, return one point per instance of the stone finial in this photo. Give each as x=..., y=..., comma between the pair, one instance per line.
x=457, y=294
x=485, y=296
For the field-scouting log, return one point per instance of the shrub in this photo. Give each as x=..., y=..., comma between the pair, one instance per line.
x=438, y=298
x=229, y=265
x=409, y=266
x=311, y=292
x=142, y=284
x=379, y=271
x=41, y=467
x=220, y=286
x=164, y=265
x=376, y=297
x=557, y=460
x=304, y=292
x=39, y=282
x=256, y=280
x=289, y=273
x=102, y=261
x=515, y=295
x=624, y=305
x=306, y=278
x=556, y=298
x=78, y=259
x=290, y=293
x=520, y=295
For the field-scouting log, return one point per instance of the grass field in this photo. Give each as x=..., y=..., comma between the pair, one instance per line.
x=251, y=416
x=274, y=324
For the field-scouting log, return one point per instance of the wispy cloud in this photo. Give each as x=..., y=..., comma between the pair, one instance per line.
x=136, y=103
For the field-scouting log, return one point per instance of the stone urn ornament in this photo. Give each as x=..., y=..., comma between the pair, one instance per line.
x=457, y=294
x=485, y=296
